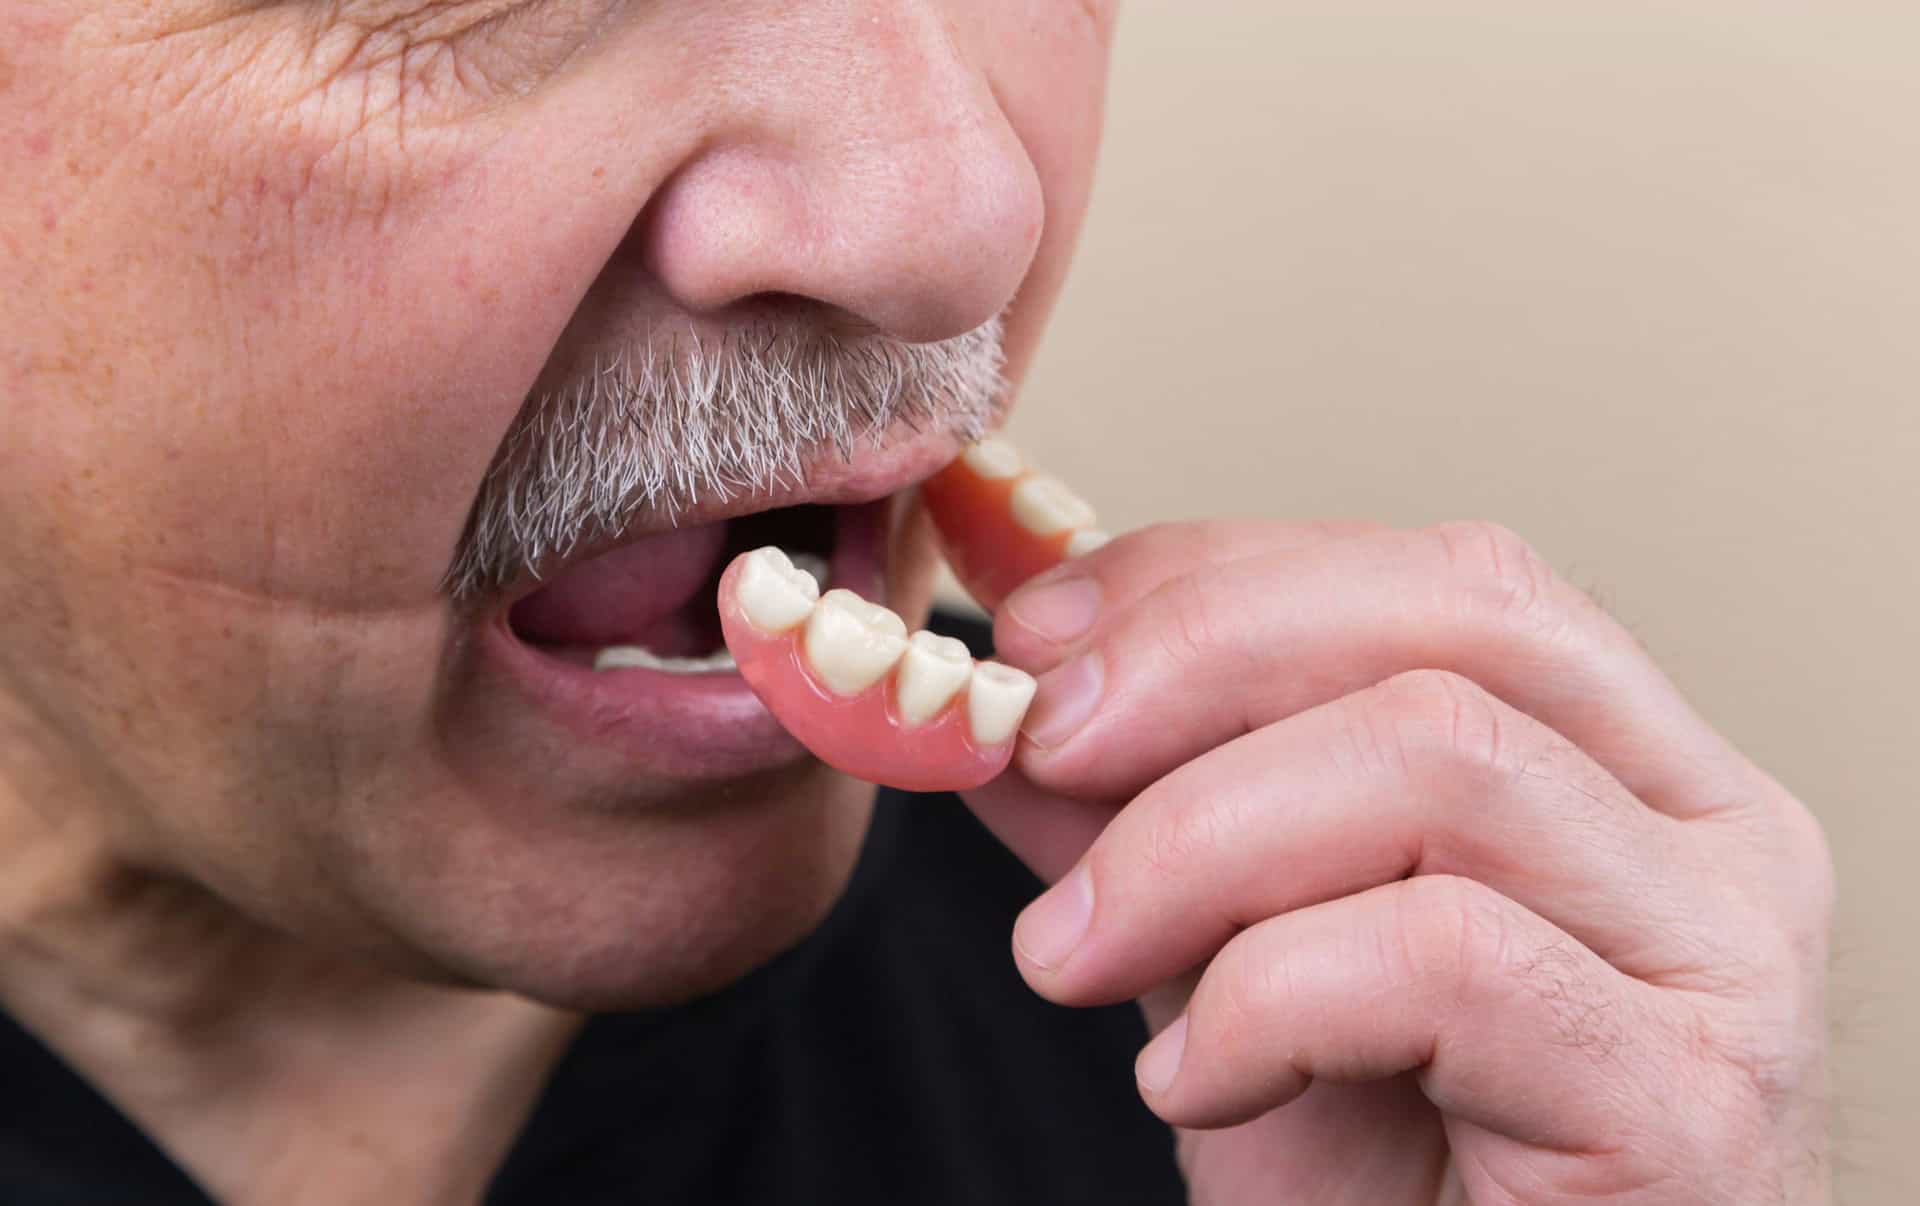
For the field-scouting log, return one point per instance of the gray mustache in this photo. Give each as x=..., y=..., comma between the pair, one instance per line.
x=655, y=429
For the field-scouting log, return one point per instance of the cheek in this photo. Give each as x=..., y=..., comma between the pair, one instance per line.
x=238, y=309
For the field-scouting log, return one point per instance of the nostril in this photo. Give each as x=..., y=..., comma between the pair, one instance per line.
x=778, y=308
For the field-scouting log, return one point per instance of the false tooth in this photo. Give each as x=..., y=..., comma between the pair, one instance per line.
x=932, y=671
x=1085, y=541
x=993, y=459
x=775, y=594
x=1044, y=506
x=997, y=700
x=852, y=643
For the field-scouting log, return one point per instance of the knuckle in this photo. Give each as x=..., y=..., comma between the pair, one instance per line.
x=1451, y=931
x=1245, y=989
x=1188, y=626
x=1182, y=836
x=1497, y=569
x=1469, y=941
x=1431, y=722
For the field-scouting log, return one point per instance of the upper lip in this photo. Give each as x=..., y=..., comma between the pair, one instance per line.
x=873, y=469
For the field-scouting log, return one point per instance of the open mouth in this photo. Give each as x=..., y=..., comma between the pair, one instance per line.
x=650, y=605
x=612, y=668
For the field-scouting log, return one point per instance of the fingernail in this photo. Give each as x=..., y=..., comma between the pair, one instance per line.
x=1057, y=611
x=1159, y=1060
x=1049, y=928
x=1064, y=700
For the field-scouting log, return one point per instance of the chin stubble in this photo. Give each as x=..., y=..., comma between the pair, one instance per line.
x=662, y=426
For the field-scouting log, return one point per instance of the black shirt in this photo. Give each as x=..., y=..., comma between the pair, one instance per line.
x=894, y=1056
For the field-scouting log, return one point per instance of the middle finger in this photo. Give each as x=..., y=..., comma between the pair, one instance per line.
x=1424, y=774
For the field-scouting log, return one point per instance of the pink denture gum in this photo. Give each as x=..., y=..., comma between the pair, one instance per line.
x=843, y=676
x=862, y=733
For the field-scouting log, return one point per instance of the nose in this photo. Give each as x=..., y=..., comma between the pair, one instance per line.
x=868, y=168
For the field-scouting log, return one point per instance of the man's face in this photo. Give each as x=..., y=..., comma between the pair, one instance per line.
x=283, y=277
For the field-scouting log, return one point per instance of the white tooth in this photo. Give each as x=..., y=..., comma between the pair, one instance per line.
x=852, y=643
x=623, y=657
x=633, y=657
x=812, y=565
x=931, y=673
x=1085, y=541
x=993, y=458
x=773, y=592
x=997, y=701
x=1044, y=506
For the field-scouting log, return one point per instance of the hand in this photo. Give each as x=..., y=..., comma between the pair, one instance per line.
x=1432, y=885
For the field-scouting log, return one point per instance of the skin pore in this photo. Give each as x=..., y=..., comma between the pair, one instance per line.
x=287, y=273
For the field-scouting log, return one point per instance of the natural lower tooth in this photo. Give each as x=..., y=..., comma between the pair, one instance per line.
x=775, y=594
x=1085, y=541
x=852, y=643
x=993, y=458
x=1044, y=506
x=997, y=699
x=633, y=657
x=931, y=673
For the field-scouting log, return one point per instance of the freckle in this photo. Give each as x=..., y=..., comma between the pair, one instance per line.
x=600, y=173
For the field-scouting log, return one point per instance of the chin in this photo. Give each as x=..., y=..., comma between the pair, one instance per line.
x=602, y=907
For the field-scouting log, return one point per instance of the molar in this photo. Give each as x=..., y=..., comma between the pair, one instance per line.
x=773, y=592
x=852, y=643
x=997, y=699
x=931, y=673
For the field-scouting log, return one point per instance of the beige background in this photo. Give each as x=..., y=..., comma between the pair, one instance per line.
x=1641, y=280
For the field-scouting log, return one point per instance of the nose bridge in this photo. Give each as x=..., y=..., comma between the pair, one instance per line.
x=866, y=165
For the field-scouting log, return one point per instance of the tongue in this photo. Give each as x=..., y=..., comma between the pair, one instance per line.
x=627, y=595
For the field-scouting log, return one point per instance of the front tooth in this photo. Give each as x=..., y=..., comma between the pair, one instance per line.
x=997, y=700
x=853, y=643
x=993, y=459
x=931, y=673
x=1044, y=506
x=1085, y=541
x=775, y=594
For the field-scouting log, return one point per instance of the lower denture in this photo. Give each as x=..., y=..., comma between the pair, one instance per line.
x=864, y=732
x=999, y=524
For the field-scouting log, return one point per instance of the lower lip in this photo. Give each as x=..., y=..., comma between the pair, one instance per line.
x=684, y=726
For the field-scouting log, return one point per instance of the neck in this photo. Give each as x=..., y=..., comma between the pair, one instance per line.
x=269, y=1071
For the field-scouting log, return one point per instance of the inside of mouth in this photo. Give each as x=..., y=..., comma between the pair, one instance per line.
x=659, y=592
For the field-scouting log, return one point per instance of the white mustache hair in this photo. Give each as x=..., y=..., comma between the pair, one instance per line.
x=657, y=429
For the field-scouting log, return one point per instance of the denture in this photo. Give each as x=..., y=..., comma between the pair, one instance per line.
x=843, y=675
x=1001, y=523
